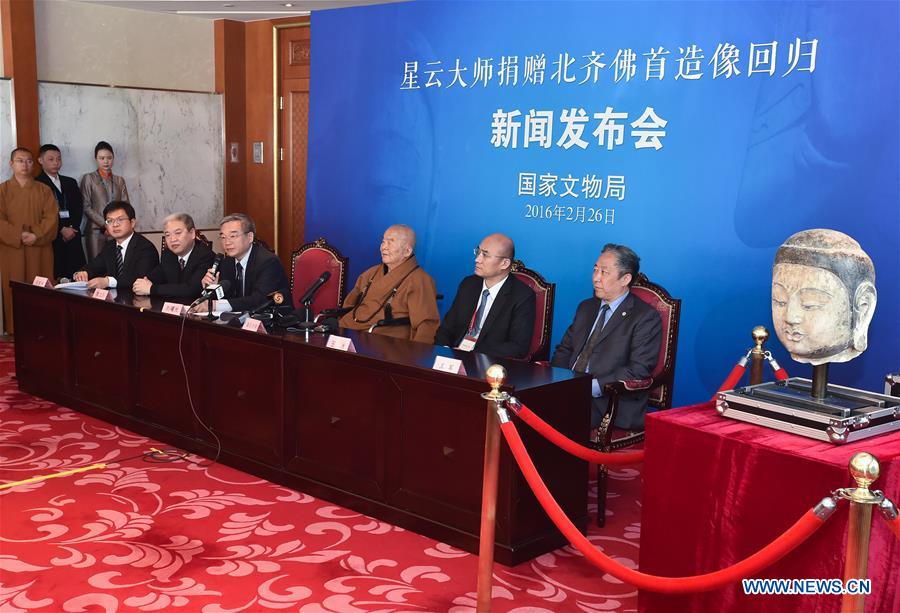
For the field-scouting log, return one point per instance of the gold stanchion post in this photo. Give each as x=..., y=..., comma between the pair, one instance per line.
x=864, y=469
x=495, y=376
x=757, y=354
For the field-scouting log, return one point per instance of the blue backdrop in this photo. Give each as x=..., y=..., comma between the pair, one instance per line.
x=710, y=132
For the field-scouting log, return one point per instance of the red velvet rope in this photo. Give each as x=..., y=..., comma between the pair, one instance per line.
x=579, y=451
x=894, y=525
x=781, y=374
x=747, y=567
x=736, y=373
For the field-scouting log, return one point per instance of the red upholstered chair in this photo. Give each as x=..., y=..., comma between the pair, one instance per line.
x=544, y=293
x=307, y=264
x=659, y=383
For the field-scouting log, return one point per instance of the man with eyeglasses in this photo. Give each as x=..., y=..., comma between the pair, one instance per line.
x=183, y=263
x=125, y=258
x=615, y=336
x=252, y=271
x=396, y=289
x=493, y=312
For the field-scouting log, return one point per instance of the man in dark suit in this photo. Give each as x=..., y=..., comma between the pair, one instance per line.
x=182, y=265
x=615, y=336
x=124, y=259
x=252, y=271
x=493, y=312
x=68, y=252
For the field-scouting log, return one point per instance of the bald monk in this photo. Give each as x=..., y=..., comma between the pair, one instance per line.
x=396, y=288
x=28, y=222
x=493, y=312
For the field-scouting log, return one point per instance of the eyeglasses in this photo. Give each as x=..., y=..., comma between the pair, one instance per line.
x=232, y=236
x=116, y=221
x=485, y=254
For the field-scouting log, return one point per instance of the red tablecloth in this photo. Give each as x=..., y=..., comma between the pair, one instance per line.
x=716, y=490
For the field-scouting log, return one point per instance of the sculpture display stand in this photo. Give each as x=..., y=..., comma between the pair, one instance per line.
x=823, y=299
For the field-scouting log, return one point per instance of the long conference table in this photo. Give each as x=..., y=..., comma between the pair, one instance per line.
x=378, y=431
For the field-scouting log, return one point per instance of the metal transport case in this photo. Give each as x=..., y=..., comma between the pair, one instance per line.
x=845, y=414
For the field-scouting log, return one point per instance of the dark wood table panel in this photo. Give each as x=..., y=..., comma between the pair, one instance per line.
x=336, y=435
x=45, y=355
x=439, y=452
x=160, y=393
x=242, y=394
x=100, y=357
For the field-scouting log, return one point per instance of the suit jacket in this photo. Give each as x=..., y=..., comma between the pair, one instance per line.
x=68, y=256
x=169, y=281
x=628, y=349
x=263, y=276
x=141, y=258
x=509, y=326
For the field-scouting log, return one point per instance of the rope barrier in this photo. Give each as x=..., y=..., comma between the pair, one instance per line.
x=891, y=516
x=566, y=444
x=811, y=521
x=736, y=373
x=741, y=367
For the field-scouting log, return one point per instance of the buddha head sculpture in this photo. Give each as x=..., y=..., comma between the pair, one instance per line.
x=823, y=296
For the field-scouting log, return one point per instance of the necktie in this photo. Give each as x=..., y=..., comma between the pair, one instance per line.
x=120, y=262
x=180, y=269
x=239, y=278
x=476, y=325
x=584, y=357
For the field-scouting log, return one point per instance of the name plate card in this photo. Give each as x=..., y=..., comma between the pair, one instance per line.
x=174, y=308
x=42, y=282
x=101, y=294
x=254, y=325
x=450, y=365
x=341, y=343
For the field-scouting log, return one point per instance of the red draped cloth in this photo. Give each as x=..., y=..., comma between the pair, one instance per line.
x=716, y=490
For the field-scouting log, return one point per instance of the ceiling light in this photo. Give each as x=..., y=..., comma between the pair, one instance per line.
x=288, y=4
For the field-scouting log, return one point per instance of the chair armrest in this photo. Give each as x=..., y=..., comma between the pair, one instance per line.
x=339, y=312
x=400, y=321
x=630, y=385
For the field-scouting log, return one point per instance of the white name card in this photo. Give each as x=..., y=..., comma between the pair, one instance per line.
x=174, y=308
x=100, y=294
x=449, y=365
x=42, y=282
x=341, y=343
x=254, y=325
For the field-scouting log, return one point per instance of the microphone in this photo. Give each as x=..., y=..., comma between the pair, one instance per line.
x=276, y=299
x=216, y=291
x=308, y=295
x=217, y=261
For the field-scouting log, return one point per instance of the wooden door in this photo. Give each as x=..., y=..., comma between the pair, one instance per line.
x=294, y=47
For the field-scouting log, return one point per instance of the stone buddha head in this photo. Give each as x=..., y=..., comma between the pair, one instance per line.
x=823, y=296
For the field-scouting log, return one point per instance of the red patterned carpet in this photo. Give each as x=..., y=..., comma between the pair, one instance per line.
x=139, y=536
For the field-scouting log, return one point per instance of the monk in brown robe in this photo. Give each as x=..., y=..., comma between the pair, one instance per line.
x=28, y=219
x=396, y=288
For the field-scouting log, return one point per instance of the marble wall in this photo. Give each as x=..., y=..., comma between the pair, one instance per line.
x=168, y=145
x=78, y=42
x=7, y=142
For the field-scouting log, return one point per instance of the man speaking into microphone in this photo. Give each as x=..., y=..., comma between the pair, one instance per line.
x=252, y=271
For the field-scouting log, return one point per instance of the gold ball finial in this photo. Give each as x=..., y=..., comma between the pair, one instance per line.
x=760, y=336
x=864, y=469
x=495, y=375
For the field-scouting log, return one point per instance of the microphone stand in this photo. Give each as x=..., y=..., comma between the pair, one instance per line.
x=307, y=322
x=209, y=308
